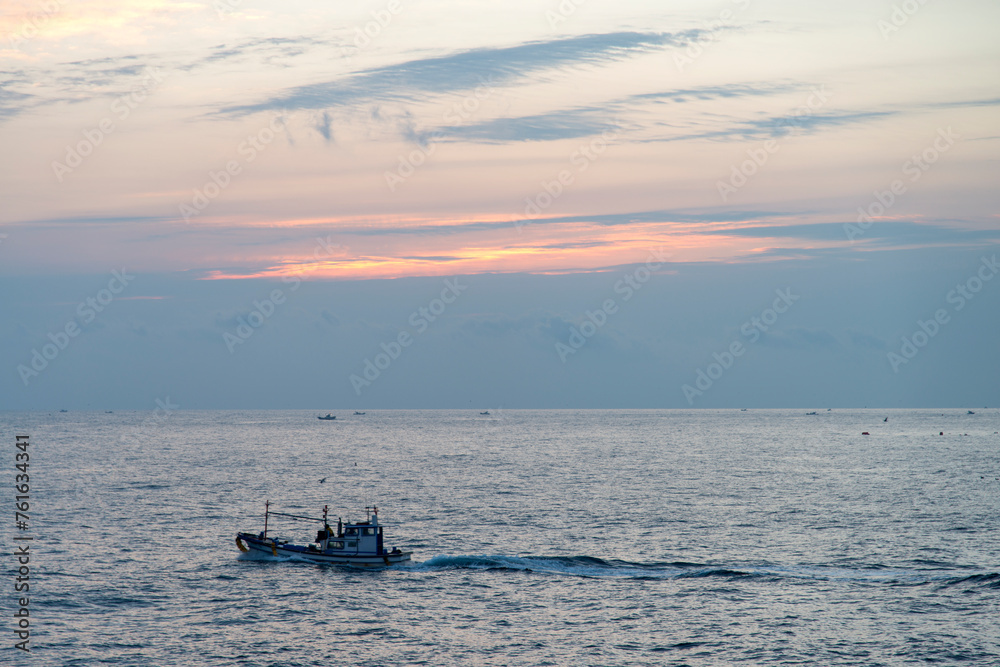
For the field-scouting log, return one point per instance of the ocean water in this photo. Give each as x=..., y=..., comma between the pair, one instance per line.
x=624, y=537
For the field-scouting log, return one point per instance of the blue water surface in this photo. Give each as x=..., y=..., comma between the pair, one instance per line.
x=550, y=537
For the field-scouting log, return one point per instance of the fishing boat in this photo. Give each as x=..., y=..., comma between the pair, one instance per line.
x=328, y=417
x=359, y=544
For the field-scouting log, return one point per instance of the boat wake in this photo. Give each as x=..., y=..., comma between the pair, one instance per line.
x=590, y=567
x=587, y=566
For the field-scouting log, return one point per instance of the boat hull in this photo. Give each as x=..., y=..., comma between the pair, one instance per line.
x=253, y=544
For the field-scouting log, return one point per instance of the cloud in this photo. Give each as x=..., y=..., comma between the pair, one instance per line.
x=465, y=70
x=322, y=126
x=102, y=71
x=989, y=102
x=779, y=126
x=586, y=121
x=76, y=82
x=708, y=93
x=867, y=341
x=12, y=102
x=798, y=338
x=774, y=127
x=84, y=80
x=330, y=318
x=636, y=217
x=270, y=50
x=881, y=233
x=569, y=124
x=813, y=337
x=97, y=220
x=538, y=328
x=668, y=215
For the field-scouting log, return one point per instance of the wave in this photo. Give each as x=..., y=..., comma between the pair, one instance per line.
x=589, y=566
x=988, y=580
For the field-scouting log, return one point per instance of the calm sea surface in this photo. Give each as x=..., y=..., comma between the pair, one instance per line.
x=765, y=537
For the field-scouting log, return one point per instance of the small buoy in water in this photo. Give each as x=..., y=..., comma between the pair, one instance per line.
x=941, y=433
x=865, y=433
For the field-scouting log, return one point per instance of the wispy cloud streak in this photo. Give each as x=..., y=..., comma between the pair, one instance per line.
x=465, y=70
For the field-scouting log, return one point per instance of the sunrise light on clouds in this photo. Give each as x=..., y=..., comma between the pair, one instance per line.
x=319, y=119
x=235, y=142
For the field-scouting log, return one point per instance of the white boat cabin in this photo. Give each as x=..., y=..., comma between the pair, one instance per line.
x=363, y=538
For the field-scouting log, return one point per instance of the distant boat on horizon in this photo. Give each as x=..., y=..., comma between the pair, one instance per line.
x=358, y=413
x=328, y=417
x=485, y=413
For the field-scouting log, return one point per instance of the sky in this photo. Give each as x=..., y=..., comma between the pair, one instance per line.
x=556, y=204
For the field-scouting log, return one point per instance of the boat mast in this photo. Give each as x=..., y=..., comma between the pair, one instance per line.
x=267, y=504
